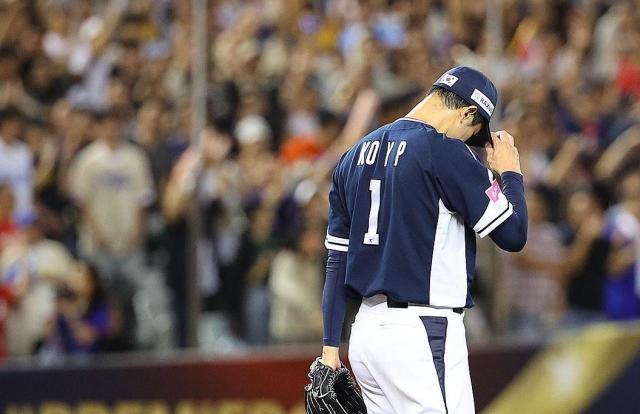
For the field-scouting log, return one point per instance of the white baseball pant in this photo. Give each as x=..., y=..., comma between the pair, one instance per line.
x=410, y=360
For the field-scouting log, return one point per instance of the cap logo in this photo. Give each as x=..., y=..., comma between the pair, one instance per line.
x=482, y=100
x=448, y=79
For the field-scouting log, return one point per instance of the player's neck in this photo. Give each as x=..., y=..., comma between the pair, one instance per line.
x=432, y=111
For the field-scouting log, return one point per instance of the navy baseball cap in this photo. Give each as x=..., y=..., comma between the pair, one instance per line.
x=475, y=88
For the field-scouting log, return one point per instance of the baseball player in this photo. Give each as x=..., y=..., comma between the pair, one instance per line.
x=406, y=204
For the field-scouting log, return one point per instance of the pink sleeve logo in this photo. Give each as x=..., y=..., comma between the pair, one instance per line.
x=493, y=192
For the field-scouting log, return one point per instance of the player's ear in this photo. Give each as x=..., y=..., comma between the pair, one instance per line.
x=467, y=114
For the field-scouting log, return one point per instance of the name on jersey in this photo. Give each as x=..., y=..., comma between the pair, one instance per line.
x=370, y=151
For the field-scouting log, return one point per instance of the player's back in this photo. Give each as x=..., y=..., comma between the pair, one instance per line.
x=402, y=239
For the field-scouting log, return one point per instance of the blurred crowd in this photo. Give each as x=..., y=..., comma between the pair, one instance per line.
x=113, y=206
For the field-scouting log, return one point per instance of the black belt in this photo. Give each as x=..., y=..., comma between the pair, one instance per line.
x=396, y=304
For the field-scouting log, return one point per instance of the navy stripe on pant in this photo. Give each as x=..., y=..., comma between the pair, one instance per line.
x=436, y=327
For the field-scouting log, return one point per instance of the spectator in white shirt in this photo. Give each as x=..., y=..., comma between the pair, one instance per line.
x=111, y=183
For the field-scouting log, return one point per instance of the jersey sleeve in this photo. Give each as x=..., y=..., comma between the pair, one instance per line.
x=339, y=221
x=469, y=188
x=334, y=296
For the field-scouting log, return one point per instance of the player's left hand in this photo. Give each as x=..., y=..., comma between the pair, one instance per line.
x=332, y=391
x=331, y=356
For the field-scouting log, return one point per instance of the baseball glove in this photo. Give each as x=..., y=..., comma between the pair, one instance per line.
x=332, y=392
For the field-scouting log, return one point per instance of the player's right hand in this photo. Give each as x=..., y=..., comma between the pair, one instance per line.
x=331, y=357
x=503, y=155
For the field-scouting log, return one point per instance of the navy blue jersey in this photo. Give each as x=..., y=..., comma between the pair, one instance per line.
x=405, y=204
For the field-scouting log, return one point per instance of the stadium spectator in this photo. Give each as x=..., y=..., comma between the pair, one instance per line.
x=585, y=264
x=205, y=183
x=83, y=321
x=111, y=182
x=252, y=269
x=296, y=280
x=42, y=264
x=536, y=292
x=622, y=286
x=150, y=131
x=257, y=163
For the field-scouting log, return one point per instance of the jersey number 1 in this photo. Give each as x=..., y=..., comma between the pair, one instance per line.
x=372, y=237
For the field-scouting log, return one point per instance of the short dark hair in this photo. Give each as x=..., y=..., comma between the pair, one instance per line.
x=454, y=101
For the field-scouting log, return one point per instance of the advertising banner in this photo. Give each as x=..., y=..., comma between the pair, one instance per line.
x=258, y=384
